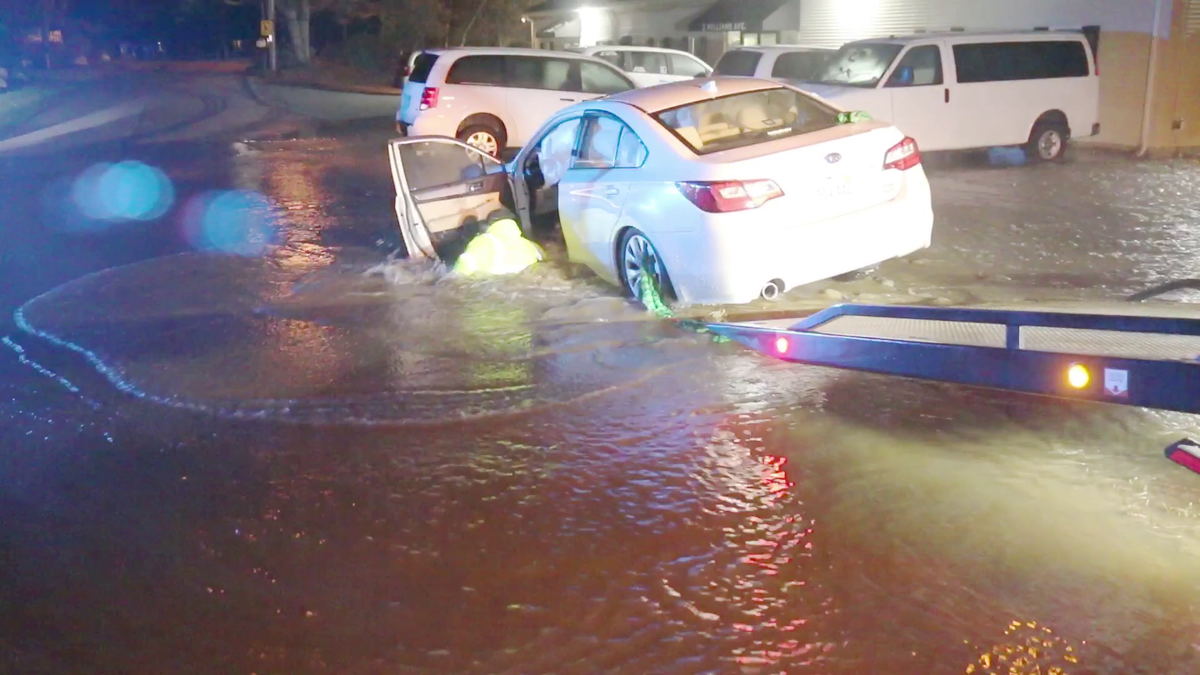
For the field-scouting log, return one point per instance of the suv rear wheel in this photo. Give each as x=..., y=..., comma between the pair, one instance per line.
x=484, y=137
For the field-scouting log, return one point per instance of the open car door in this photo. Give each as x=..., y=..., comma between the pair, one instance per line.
x=443, y=185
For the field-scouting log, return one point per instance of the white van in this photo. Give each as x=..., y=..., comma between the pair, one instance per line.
x=649, y=66
x=492, y=98
x=958, y=91
x=785, y=63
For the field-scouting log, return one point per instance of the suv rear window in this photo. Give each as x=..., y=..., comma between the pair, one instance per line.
x=738, y=63
x=746, y=119
x=421, y=67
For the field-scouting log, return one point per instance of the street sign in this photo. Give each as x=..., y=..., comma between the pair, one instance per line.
x=266, y=28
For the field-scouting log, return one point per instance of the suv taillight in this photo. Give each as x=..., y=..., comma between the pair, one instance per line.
x=903, y=155
x=429, y=98
x=725, y=196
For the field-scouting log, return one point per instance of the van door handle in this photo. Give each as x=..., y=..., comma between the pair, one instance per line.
x=568, y=100
x=947, y=95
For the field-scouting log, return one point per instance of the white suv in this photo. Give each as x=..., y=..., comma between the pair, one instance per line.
x=788, y=63
x=650, y=66
x=494, y=98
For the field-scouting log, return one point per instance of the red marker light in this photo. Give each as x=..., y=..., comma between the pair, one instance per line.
x=781, y=345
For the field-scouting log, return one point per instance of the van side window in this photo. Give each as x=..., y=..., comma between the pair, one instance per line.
x=535, y=72
x=598, y=79
x=477, y=70
x=613, y=57
x=797, y=65
x=739, y=63
x=687, y=66
x=1008, y=61
x=647, y=62
x=920, y=67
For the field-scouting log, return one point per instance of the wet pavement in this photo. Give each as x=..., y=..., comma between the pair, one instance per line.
x=247, y=437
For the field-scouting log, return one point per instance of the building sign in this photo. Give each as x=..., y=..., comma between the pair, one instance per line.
x=722, y=27
x=266, y=28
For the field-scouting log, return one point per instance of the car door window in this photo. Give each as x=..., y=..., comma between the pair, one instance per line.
x=552, y=155
x=533, y=72
x=920, y=67
x=738, y=63
x=600, y=79
x=686, y=66
x=654, y=63
x=429, y=164
x=609, y=144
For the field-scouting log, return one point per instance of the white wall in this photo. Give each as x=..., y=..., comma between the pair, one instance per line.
x=832, y=23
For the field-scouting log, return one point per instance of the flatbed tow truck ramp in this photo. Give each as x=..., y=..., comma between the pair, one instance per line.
x=1135, y=360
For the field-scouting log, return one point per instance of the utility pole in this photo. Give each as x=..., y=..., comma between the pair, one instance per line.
x=271, y=41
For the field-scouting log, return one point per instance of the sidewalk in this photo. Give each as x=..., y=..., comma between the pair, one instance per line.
x=335, y=77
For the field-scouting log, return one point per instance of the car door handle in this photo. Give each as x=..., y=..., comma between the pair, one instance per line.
x=568, y=100
x=474, y=187
x=612, y=192
x=947, y=95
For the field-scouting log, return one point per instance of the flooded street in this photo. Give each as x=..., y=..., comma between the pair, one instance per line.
x=247, y=436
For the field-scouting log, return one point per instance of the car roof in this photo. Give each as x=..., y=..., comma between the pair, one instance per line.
x=631, y=48
x=782, y=48
x=507, y=51
x=672, y=95
x=964, y=36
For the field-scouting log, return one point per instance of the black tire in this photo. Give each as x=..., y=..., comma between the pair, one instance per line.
x=1047, y=142
x=471, y=135
x=659, y=272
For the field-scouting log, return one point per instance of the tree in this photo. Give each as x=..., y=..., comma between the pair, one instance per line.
x=346, y=12
x=298, y=14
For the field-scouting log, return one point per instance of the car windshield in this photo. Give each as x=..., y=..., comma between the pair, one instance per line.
x=746, y=119
x=859, y=64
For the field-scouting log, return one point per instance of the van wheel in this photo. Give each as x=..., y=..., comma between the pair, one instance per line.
x=1047, y=143
x=484, y=138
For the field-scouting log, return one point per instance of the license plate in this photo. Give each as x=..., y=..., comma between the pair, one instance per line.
x=835, y=186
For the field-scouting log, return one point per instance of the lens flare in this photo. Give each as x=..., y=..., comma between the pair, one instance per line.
x=239, y=222
x=122, y=192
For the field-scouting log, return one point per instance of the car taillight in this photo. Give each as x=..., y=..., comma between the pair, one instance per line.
x=725, y=196
x=903, y=155
x=429, y=98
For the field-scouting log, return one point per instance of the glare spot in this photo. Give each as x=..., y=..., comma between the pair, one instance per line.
x=126, y=191
x=238, y=222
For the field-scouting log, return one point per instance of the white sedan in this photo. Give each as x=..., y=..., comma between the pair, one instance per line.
x=727, y=190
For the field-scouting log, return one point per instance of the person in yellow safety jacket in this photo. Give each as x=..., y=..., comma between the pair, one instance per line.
x=500, y=249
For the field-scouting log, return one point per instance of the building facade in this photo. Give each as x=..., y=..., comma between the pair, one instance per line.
x=1149, y=50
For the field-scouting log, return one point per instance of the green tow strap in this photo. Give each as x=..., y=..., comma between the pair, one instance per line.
x=852, y=117
x=650, y=296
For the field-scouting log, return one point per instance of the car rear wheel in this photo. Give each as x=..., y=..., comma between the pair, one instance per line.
x=637, y=257
x=483, y=138
x=1047, y=143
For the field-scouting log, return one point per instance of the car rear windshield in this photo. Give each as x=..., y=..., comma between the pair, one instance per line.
x=738, y=63
x=746, y=119
x=421, y=67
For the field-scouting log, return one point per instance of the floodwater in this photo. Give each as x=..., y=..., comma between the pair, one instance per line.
x=315, y=457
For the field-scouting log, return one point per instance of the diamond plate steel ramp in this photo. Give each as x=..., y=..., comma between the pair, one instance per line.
x=917, y=330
